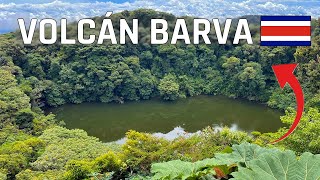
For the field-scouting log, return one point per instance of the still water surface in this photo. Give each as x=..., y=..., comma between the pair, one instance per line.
x=110, y=122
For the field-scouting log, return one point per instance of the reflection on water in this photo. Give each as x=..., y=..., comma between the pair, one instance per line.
x=179, y=132
x=171, y=135
x=110, y=122
x=176, y=132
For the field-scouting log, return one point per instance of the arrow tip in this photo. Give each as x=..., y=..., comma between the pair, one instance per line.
x=284, y=72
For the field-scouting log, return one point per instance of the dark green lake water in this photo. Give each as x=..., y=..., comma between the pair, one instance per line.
x=110, y=122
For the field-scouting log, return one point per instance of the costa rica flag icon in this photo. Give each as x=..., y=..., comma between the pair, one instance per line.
x=285, y=31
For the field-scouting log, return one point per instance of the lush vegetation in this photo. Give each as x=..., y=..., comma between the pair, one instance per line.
x=35, y=146
x=252, y=162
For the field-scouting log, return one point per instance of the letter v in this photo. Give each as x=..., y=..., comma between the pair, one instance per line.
x=222, y=39
x=27, y=38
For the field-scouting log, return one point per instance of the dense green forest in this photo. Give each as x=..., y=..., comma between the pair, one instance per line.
x=37, y=146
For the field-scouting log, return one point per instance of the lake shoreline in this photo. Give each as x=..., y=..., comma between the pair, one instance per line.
x=110, y=121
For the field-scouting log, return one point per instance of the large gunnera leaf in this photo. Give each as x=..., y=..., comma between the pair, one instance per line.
x=178, y=169
x=281, y=165
x=308, y=167
x=242, y=153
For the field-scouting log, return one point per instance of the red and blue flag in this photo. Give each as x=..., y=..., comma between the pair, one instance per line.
x=285, y=31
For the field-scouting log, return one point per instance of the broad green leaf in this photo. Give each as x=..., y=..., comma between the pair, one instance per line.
x=308, y=167
x=243, y=173
x=242, y=153
x=200, y=165
x=171, y=170
x=178, y=169
x=281, y=165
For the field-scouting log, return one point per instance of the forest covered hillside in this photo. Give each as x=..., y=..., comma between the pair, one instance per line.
x=35, y=77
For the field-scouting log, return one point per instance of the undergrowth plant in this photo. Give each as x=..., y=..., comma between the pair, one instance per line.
x=246, y=162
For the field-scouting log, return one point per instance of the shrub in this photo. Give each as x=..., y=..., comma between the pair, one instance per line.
x=306, y=136
x=13, y=163
x=16, y=156
x=24, y=119
x=28, y=148
x=79, y=169
x=206, y=143
x=141, y=149
x=104, y=164
x=10, y=134
x=64, y=145
x=39, y=175
x=110, y=162
x=3, y=175
x=189, y=148
x=42, y=122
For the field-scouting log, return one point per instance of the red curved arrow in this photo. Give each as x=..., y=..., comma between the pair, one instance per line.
x=284, y=74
